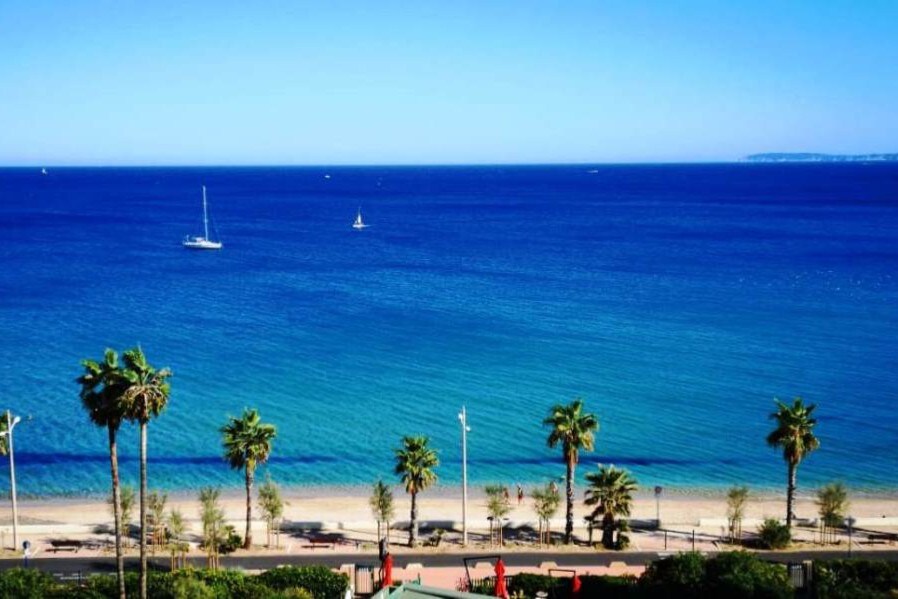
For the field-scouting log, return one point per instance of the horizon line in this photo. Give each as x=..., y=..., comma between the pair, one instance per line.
x=376, y=164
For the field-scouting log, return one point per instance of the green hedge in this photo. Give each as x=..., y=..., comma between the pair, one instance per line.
x=732, y=575
x=849, y=579
x=611, y=587
x=318, y=580
x=315, y=582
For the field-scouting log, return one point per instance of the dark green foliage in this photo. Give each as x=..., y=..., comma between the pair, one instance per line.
x=850, y=579
x=774, y=535
x=681, y=575
x=736, y=575
x=740, y=574
x=19, y=583
x=231, y=542
x=318, y=580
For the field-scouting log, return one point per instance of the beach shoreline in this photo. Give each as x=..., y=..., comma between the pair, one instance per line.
x=350, y=504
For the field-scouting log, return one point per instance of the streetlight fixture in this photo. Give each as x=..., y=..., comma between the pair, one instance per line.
x=465, y=429
x=658, y=491
x=10, y=425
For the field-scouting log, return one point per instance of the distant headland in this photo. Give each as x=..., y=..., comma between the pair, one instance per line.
x=811, y=157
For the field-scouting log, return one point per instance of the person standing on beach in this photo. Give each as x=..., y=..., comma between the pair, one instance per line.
x=520, y=493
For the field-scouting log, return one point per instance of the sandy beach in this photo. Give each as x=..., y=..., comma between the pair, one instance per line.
x=346, y=516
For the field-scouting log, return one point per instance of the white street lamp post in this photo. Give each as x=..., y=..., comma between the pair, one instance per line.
x=10, y=425
x=463, y=420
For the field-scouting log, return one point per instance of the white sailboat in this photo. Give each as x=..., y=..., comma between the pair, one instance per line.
x=359, y=224
x=43, y=171
x=202, y=243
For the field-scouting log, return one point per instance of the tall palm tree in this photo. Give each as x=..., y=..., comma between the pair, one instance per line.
x=611, y=491
x=794, y=433
x=145, y=397
x=573, y=430
x=247, y=443
x=102, y=386
x=415, y=462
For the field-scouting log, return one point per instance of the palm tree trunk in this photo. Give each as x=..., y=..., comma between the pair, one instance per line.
x=608, y=531
x=143, y=510
x=790, y=494
x=413, y=529
x=569, y=524
x=378, y=532
x=248, y=539
x=117, y=512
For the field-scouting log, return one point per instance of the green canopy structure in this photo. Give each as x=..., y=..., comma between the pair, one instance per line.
x=412, y=590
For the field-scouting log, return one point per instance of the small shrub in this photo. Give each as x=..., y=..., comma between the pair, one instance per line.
x=187, y=587
x=231, y=542
x=680, y=575
x=774, y=535
x=844, y=579
x=321, y=582
x=25, y=583
x=738, y=574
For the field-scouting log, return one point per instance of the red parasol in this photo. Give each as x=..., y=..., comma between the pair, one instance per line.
x=501, y=590
x=575, y=586
x=388, y=572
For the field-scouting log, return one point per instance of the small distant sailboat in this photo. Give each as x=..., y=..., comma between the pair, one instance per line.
x=43, y=171
x=202, y=243
x=359, y=223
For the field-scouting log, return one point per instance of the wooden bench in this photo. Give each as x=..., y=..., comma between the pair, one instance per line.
x=882, y=537
x=63, y=545
x=316, y=542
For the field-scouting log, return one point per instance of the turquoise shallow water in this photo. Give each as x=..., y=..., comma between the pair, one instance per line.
x=676, y=300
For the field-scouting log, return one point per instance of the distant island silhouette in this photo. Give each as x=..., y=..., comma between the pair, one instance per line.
x=813, y=157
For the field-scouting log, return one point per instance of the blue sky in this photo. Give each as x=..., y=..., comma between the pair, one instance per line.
x=381, y=82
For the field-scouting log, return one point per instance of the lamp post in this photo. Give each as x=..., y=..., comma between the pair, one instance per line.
x=463, y=420
x=658, y=491
x=851, y=522
x=10, y=425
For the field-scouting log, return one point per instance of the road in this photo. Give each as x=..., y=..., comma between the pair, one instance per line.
x=72, y=567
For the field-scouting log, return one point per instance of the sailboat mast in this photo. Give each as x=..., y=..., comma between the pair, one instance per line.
x=205, y=218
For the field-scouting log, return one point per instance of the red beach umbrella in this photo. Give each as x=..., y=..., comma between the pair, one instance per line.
x=501, y=590
x=575, y=586
x=388, y=572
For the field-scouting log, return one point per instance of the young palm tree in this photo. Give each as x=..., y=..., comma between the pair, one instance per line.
x=176, y=530
x=272, y=506
x=381, y=502
x=611, y=491
x=145, y=398
x=102, y=386
x=156, y=502
x=545, y=504
x=574, y=430
x=737, y=497
x=794, y=433
x=415, y=462
x=247, y=443
x=212, y=517
x=832, y=503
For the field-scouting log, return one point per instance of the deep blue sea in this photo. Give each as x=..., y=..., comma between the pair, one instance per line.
x=677, y=301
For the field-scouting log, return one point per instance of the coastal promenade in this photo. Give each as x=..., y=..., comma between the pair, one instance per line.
x=338, y=532
x=439, y=569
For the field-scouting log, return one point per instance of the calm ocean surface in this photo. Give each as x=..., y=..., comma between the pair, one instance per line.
x=676, y=300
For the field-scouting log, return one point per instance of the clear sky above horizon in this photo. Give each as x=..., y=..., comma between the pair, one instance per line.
x=336, y=82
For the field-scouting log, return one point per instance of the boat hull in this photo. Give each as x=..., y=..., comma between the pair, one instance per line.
x=202, y=244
